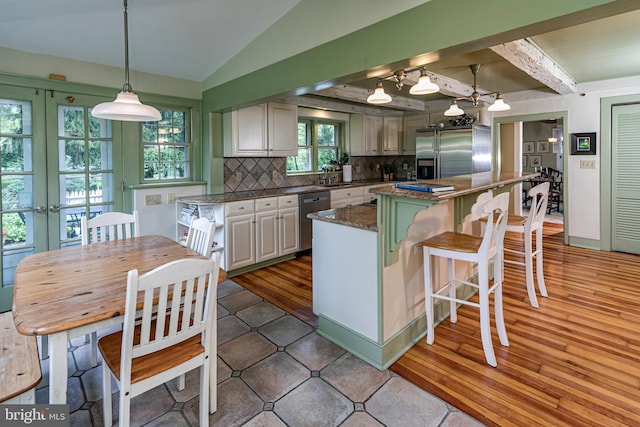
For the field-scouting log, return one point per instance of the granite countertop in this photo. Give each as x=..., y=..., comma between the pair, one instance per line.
x=463, y=184
x=272, y=192
x=358, y=216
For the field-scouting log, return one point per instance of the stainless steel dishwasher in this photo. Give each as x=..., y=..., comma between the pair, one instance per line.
x=311, y=202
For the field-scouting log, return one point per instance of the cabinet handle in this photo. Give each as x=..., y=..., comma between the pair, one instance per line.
x=241, y=208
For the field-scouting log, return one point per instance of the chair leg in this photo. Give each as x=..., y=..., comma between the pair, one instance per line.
x=485, y=321
x=428, y=291
x=94, y=348
x=498, y=265
x=125, y=408
x=44, y=346
x=453, y=312
x=528, y=262
x=204, y=394
x=106, y=397
x=539, y=260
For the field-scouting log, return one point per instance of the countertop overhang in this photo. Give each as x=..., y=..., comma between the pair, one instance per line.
x=364, y=217
x=462, y=184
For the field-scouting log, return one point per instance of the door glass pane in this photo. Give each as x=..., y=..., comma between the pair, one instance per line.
x=85, y=169
x=16, y=177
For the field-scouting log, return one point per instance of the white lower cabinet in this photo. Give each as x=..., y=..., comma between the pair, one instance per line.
x=240, y=234
x=261, y=229
x=347, y=197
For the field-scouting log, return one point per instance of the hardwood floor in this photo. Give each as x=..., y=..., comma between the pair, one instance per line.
x=574, y=361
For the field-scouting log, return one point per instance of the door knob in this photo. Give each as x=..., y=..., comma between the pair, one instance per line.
x=40, y=209
x=54, y=208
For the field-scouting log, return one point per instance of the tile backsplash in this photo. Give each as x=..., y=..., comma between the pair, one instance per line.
x=260, y=173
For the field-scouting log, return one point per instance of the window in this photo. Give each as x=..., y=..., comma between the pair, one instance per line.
x=318, y=144
x=167, y=146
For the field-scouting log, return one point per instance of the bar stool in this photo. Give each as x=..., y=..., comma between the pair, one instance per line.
x=480, y=250
x=539, y=196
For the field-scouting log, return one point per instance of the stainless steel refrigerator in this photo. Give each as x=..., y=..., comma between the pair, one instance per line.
x=441, y=153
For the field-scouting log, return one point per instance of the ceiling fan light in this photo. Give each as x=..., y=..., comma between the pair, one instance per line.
x=454, y=110
x=424, y=86
x=499, y=105
x=379, y=96
x=126, y=107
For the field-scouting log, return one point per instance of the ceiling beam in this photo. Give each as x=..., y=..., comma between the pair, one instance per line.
x=360, y=95
x=528, y=57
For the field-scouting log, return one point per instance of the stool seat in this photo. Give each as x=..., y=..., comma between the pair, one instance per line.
x=479, y=250
x=452, y=240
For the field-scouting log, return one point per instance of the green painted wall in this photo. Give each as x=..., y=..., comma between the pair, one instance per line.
x=425, y=32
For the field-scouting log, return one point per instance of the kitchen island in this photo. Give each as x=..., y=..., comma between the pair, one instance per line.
x=368, y=285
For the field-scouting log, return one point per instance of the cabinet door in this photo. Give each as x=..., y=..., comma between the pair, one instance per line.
x=372, y=134
x=266, y=235
x=283, y=129
x=392, y=131
x=289, y=233
x=240, y=247
x=250, y=131
x=411, y=124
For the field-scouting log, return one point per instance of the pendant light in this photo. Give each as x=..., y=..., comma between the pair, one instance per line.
x=499, y=104
x=424, y=86
x=126, y=106
x=454, y=110
x=379, y=96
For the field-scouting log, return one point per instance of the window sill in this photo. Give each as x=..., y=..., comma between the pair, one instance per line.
x=166, y=184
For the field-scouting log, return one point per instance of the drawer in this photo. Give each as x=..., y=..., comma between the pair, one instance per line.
x=287, y=201
x=266, y=204
x=238, y=208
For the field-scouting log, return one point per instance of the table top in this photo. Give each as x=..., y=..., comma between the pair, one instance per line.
x=67, y=288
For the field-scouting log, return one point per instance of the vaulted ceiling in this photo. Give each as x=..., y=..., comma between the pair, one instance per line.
x=191, y=39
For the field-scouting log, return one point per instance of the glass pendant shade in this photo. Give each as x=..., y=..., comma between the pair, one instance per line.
x=379, y=96
x=424, y=86
x=499, y=105
x=126, y=107
x=454, y=110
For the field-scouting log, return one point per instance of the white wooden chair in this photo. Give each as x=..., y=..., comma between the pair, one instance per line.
x=109, y=226
x=169, y=340
x=480, y=250
x=200, y=237
x=527, y=226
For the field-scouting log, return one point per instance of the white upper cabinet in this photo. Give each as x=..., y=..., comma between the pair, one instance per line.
x=392, y=141
x=375, y=135
x=265, y=130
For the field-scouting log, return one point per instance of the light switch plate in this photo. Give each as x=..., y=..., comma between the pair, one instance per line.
x=587, y=164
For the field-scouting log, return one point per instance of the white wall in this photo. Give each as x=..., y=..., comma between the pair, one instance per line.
x=161, y=219
x=583, y=185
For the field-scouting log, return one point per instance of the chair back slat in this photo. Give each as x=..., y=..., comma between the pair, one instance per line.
x=496, y=210
x=539, y=196
x=200, y=237
x=109, y=226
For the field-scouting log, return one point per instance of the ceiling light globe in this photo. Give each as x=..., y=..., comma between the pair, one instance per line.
x=126, y=107
x=454, y=110
x=499, y=105
x=424, y=86
x=379, y=96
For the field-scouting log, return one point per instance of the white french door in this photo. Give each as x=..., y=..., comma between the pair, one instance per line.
x=57, y=166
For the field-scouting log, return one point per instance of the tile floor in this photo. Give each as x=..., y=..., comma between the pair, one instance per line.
x=273, y=370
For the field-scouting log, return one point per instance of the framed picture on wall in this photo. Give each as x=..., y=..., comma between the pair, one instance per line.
x=583, y=143
x=543, y=146
x=528, y=147
x=535, y=161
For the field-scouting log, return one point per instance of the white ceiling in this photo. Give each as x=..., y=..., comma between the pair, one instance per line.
x=191, y=39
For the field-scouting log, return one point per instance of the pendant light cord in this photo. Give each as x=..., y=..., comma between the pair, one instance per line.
x=126, y=87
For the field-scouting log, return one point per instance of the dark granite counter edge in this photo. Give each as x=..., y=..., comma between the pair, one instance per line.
x=359, y=216
x=274, y=192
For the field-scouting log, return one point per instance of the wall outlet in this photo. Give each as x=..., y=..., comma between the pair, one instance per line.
x=171, y=198
x=152, y=199
x=239, y=176
x=274, y=174
x=587, y=164
x=357, y=168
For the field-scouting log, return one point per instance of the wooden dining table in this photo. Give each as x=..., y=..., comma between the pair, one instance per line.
x=69, y=292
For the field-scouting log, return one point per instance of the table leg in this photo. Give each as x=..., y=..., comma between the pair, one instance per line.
x=58, y=369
